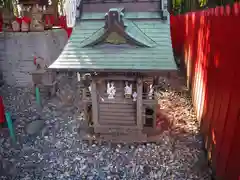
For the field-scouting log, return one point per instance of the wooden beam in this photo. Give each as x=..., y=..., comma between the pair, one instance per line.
x=139, y=103
x=85, y=105
x=95, y=104
x=115, y=78
x=155, y=114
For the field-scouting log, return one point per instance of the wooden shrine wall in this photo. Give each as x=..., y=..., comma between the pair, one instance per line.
x=17, y=49
x=208, y=43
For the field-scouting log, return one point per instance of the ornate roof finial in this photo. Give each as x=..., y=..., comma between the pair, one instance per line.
x=114, y=17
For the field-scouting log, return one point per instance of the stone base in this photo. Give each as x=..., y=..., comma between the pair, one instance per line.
x=128, y=96
x=47, y=89
x=148, y=135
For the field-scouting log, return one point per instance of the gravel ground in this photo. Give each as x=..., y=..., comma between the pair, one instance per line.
x=57, y=152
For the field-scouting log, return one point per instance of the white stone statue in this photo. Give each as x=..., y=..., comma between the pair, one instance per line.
x=151, y=91
x=111, y=90
x=134, y=95
x=128, y=90
x=108, y=88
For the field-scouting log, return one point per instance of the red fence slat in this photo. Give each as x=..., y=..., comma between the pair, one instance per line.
x=209, y=43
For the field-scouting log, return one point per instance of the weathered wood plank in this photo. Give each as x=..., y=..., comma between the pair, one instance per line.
x=117, y=118
x=85, y=105
x=117, y=122
x=139, y=103
x=120, y=110
x=113, y=128
x=115, y=78
x=117, y=105
x=150, y=102
x=143, y=115
x=117, y=100
x=114, y=113
x=94, y=104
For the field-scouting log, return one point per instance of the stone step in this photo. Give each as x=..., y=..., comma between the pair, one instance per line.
x=127, y=138
x=124, y=138
x=117, y=129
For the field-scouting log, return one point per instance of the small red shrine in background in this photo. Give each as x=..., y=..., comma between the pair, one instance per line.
x=33, y=16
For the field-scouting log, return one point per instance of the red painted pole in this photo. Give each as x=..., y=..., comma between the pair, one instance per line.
x=2, y=112
x=35, y=60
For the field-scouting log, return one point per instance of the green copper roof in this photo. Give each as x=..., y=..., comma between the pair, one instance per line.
x=144, y=27
x=132, y=30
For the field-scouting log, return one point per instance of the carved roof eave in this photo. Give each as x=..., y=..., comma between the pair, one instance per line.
x=121, y=31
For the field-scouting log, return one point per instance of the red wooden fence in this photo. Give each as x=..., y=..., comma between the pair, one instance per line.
x=209, y=43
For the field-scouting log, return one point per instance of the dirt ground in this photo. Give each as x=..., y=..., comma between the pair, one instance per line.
x=53, y=148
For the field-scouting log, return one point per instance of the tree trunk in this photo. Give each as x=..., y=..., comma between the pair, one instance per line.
x=15, y=8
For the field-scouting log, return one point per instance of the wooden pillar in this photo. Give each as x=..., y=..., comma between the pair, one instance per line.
x=155, y=108
x=139, y=103
x=85, y=107
x=94, y=103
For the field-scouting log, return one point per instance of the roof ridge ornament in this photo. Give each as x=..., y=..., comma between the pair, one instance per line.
x=114, y=17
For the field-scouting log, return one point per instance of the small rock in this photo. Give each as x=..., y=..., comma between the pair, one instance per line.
x=44, y=131
x=146, y=169
x=34, y=127
x=94, y=145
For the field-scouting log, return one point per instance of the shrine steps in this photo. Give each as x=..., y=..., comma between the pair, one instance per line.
x=145, y=136
x=124, y=138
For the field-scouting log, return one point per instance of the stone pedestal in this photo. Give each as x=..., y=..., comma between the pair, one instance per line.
x=46, y=82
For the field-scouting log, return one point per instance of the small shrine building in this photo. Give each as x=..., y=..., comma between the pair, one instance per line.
x=122, y=52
